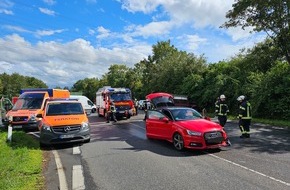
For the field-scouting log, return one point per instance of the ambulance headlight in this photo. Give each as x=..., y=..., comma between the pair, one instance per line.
x=85, y=126
x=32, y=117
x=46, y=128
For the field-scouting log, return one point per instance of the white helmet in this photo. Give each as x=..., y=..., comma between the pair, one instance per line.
x=222, y=96
x=241, y=98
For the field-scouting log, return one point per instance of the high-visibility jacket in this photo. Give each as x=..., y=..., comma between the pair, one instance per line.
x=221, y=108
x=245, y=110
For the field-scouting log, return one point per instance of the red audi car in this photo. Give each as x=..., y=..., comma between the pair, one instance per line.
x=185, y=128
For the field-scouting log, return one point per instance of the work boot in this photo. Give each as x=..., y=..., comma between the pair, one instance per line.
x=247, y=135
x=243, y=136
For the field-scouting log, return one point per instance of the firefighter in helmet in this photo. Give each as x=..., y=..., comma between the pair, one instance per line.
x=111, y=115
x=221, y=110
x=245, y=116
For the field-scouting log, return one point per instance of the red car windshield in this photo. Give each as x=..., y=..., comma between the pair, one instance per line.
x=183, y=114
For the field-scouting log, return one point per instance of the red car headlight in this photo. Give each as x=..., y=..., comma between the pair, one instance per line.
x=193, y=133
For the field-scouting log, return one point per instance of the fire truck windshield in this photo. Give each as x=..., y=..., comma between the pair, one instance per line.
x=120, y=96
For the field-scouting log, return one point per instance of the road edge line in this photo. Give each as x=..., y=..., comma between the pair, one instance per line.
x=60, y=171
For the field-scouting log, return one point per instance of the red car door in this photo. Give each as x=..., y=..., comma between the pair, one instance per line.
x=158, y=125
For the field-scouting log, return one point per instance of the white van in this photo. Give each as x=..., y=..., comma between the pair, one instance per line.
x=88, y=105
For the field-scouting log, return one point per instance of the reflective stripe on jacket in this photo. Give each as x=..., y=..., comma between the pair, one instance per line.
x=221, y=108
x=245, y=110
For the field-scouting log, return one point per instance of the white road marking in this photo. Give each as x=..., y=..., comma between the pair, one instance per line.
x=60, y=171
x=77, y=172
x=101, y=124
x=76, y=150
x=251, y=170
x=78, y=181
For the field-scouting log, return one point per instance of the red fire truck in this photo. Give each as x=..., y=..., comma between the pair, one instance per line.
x=122, y=98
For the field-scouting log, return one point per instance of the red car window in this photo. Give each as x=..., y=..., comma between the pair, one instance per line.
x=152, y=114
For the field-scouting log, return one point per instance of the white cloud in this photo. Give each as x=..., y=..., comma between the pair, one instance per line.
x=63, y=64
x=197, y=13
x=6, y=4
x=218, y=49
x=49, y=2
x=238, y=33
x=145, y=6
x=7, y=12
x=48, y=32
x=200, y=13
x=153, y=29
x=103, y=33
x=47, y=11
x=15, y=28
x=190, y=42
x=91, y=32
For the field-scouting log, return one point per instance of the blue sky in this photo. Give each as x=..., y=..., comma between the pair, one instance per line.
x=63, y=41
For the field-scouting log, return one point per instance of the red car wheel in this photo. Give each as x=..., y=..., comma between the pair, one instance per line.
x=178, y=141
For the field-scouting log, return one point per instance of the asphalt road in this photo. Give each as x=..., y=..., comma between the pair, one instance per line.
x=120, y=157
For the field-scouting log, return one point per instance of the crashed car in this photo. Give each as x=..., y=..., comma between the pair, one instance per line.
x=185, y=128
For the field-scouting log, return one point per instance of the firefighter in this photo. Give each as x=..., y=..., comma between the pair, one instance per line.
x=136, y=104
x=221, y=110
x=111, y=115
x=245, y=116
x=147, y=106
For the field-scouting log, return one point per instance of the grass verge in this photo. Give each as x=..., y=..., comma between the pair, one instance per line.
x=20, y=162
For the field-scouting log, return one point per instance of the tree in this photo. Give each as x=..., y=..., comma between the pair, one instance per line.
x=116, y=76
x=12, y=84
x=88, y=87
x=270, y=16
x=262, y=57
x=272, y=97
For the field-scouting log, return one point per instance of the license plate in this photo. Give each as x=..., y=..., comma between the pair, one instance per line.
x=121, y=111
x=17, y=127
x=66, y=136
